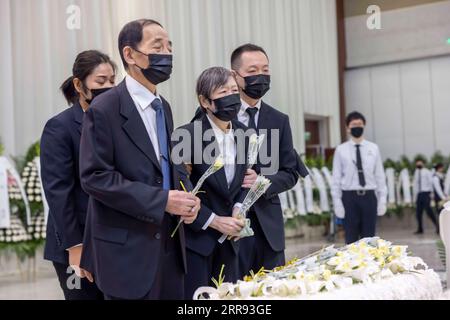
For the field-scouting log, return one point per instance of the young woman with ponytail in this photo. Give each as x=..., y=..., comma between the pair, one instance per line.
x=93, y=73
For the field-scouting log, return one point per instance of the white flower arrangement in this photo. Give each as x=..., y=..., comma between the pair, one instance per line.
x=352, y=271
x=15, y=233
x=32, y=184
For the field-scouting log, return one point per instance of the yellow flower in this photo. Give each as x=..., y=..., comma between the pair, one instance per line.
x=326, y=275
x=218, y=163
x=383, y=250
x=362, y=245
x=254, y=138
x=377, y=254
x=300, y=275
x=397, y=251
x=310, y=277
x=334, y=261
x=362, y=264
x=344, y=267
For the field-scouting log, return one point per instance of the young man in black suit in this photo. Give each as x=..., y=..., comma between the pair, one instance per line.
x=127, y=171
x=250, y=65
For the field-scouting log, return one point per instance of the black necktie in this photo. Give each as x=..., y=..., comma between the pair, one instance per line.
x=252, y=113
x=420, y=180
x=163, y=142
x=362, y=179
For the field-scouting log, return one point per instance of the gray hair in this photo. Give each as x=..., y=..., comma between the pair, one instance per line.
x=210, y=80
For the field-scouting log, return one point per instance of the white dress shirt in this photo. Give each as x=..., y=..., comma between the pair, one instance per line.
x=437, y=185
x=345, y=173
x=227, y=148
x=244, y=117
x=142, y=98
x=426, y=183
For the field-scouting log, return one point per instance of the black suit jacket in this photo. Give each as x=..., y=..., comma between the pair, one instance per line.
x=60, y=143
x=268, y=208
x=217, y=197
x=126, y=219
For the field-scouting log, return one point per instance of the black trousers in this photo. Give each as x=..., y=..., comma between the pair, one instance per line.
x=360, y=215
x=202, y=268
x=255, y=252
x=169, y=281
x=423, y=202
x=73, y=287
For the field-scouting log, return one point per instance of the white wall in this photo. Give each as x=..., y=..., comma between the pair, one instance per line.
x=38, y=51
x=408, y=33
x=407, y=105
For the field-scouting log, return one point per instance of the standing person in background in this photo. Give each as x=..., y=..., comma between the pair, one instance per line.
x=92, y=74
x=423, y=187
x=359, y=188
x=438, y=187
x=250, y=65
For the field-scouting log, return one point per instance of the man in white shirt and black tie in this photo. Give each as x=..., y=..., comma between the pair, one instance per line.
x=359, y=185
x=423, y=187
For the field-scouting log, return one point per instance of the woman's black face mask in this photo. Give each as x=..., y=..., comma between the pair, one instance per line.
x=227, y=107
x=95, y=93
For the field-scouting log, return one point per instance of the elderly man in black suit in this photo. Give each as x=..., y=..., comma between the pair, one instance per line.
x=126, y=168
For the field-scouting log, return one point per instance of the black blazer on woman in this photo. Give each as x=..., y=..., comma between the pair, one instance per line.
x=217, y=197
x=60, y=173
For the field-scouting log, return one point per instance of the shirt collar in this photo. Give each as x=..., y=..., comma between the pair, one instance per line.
x=353, y=143
x=140, y=94
x=245, y=105
x=218, y=132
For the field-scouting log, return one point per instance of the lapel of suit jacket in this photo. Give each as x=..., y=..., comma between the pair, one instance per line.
x=134, y=126
x=263, y=117
x=263, y=123
x=78, y=116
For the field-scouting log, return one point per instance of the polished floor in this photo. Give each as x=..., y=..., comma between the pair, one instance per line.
x=43, y=285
